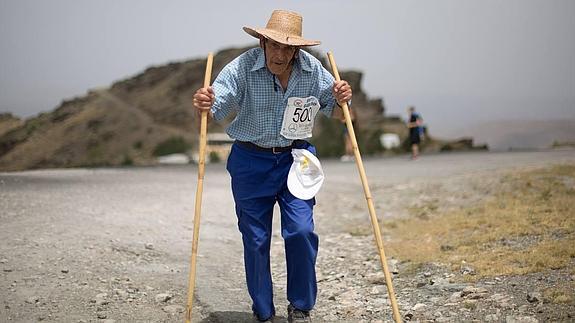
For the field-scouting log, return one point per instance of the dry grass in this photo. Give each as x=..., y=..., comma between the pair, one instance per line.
x=527, y=226
x=559, y=295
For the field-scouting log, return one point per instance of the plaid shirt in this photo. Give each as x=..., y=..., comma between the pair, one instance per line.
x=247, y=87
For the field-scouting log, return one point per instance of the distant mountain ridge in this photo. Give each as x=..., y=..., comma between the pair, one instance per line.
x=138, y=118
x=522, y=134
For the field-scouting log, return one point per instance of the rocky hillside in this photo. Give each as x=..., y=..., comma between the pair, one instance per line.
x=139, y=118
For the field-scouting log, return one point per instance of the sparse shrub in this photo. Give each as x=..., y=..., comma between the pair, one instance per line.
x=173, y=145
x=214, y=157
x=127, y=161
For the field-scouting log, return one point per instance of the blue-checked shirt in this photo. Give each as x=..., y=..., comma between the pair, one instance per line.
x=247, y=87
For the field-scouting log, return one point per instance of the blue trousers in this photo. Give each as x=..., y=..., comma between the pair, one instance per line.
x=258, y=182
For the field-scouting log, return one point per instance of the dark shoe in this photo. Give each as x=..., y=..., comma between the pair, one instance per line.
x=257, y=319
x=298, y=316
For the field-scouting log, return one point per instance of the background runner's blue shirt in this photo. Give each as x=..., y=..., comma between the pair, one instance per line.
x=247, y=87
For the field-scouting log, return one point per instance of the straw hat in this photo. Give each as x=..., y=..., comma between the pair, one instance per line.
x=283, y=27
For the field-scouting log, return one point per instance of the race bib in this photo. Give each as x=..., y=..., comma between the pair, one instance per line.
x=299, y=117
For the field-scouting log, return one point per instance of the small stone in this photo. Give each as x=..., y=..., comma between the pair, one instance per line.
x=149, y=246
x=455, y=297
x=520, y=319
x=162, y=298
x=408, y=316
x=3, y=261
x=102, y=316
x=427, y=274
x=418, y=307
x=447, y=247
x=378, y=289
x=467, y=269
x=474, y=292
x=173, y=309
x=392, y=264
x=534, y=297
x=65, y=270
x=32, y=300
x=101, y=299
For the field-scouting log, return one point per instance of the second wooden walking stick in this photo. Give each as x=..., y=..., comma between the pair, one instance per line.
x=198, y=205
x=374, y=222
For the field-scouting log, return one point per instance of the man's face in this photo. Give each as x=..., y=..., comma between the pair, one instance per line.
x=278, y=56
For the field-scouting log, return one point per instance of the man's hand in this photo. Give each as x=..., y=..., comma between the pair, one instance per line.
x=204, y=98
x=342, y=92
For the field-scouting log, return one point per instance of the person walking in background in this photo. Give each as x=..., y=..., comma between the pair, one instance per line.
x=415, y=125
x=348, y=155
x=276, y=90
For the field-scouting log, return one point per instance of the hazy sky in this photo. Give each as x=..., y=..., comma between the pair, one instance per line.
x=458, y=62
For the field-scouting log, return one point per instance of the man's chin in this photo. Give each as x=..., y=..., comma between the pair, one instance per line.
x=278, y=70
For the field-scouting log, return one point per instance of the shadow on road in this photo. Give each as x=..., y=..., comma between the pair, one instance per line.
x=239, y=317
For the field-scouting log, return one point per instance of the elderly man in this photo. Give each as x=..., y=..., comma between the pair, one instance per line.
x=275, y=91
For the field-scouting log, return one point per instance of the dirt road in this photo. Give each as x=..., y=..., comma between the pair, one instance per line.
x=87, y=245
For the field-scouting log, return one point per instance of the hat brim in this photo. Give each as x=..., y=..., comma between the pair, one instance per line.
x=280, y=38
x=296, y=187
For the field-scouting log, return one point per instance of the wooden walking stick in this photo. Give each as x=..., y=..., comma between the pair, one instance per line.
x=374, y=222
x=198, y=206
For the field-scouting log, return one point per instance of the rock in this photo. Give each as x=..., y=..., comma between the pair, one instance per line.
x=32, y=300
x=471, y=292
x=101, y=299
x=455, y=297
x=467, y=269
x=392, y=266
x=102, y=316
x=534, y=297
x=491, y=318
x=149, y=246
x=330, y=318
x=378, y=289
x=408, y=316
x=418, y=307
x=65, y=270
x=164, y=297
x=520, y=319
x=523, y=308
x=173, y=309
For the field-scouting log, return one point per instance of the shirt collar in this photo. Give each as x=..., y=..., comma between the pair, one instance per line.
x=261, y=61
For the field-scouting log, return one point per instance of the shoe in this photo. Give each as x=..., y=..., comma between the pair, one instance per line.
x=346, y=158
x=297, y=316
x=257, y=319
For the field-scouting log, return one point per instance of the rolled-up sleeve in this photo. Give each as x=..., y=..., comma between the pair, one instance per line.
x=227, y=91
x=326, y=99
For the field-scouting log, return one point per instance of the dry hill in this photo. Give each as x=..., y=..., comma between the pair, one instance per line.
x=150, y=114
